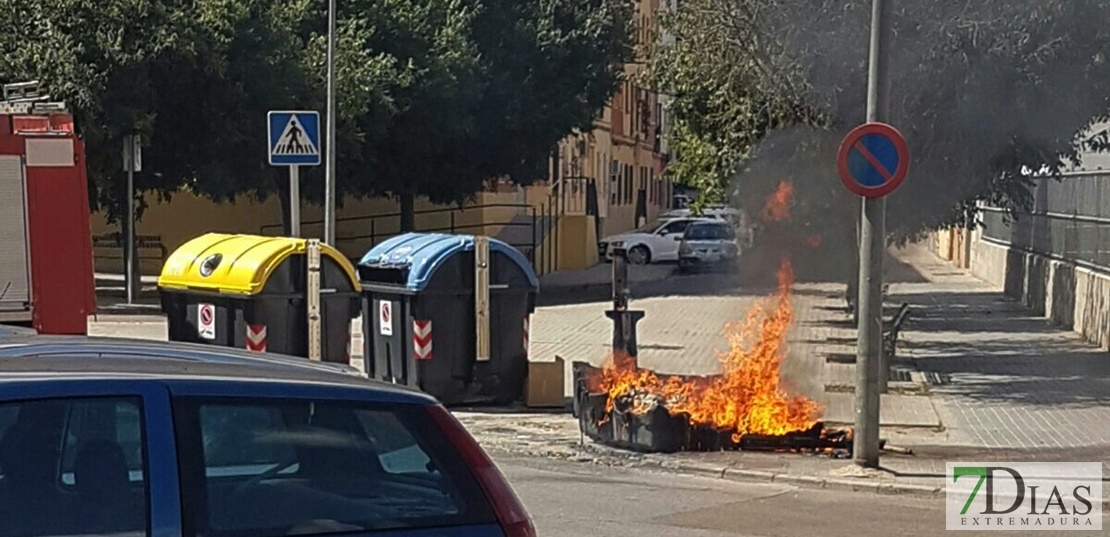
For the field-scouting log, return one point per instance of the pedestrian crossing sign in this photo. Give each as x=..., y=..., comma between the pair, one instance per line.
x=294, y=138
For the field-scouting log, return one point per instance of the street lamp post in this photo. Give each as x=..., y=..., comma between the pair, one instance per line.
x=872, y=243
x=329, y=164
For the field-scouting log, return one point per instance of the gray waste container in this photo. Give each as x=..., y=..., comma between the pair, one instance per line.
x=418, y=319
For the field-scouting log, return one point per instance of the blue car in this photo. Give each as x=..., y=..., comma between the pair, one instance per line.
x=141, y=438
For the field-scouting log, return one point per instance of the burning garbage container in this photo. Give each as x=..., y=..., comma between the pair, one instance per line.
x=448, y=314
x=252, y=292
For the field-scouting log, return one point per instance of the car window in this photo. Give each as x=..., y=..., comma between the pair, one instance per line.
x=262, y=468
x=650, y=227
x=678, y=226
x=709, y=232
x=72, y=467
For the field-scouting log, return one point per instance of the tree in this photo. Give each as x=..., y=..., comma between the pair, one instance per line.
x=533, y=72
x=549, y=67
x=103, y=58
x=435, y=97
x=983, y=92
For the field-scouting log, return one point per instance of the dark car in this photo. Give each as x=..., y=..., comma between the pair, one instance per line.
x=116, y=437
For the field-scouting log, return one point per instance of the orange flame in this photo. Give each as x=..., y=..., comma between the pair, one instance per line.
x=748, y=398
x=777, y=207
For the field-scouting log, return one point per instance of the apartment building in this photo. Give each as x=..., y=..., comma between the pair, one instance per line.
x=617, y=171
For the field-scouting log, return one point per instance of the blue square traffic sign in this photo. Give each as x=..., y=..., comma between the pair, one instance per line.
x=294, y=138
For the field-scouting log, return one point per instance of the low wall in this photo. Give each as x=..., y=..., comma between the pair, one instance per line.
x=175, y=221
x=1073, y=297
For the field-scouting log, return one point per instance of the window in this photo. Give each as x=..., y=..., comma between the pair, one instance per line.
x=262, y=468
x=72, y=467
x=628, y=171
x=710, y=232
x=678, y=226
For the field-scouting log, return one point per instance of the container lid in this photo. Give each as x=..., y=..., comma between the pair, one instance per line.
x=237, y=264
x=424, y=253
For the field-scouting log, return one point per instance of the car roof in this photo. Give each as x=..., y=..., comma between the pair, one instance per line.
x=53, y=357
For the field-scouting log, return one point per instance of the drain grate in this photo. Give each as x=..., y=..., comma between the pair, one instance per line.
x=938, y=379
x=900, y=375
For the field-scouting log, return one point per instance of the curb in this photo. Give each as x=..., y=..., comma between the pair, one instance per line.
x=811, y=481
x=816, y=482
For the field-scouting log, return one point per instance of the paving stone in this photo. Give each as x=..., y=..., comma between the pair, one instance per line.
x=1010, y=379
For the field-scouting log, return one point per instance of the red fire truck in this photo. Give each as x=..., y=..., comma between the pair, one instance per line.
x=46, y=269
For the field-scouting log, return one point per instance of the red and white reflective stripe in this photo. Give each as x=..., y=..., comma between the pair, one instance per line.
x=422, y=339
x=526, y=324
x=256, y=337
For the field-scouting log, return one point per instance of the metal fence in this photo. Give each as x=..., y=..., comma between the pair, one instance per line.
x=1070, y=221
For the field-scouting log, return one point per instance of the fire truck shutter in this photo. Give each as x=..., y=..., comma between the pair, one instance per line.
x=15, y=288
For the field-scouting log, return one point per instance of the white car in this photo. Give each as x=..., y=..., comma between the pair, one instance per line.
x=720, y=212
x=708, y=245
x=653, y=243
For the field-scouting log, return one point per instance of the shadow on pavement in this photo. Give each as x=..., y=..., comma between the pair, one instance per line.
x=989, y=349
x=971, y=312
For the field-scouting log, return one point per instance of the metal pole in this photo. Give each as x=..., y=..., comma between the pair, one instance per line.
x=872, y=234
x=295, y=201
x=329, y=165
x=129, y=270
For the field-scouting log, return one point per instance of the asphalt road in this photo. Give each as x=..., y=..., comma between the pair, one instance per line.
x=572, y=500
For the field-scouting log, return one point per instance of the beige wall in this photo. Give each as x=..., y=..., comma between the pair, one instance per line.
x=618, y=138
x=186, y=216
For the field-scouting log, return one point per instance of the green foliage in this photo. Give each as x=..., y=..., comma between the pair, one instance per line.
x=982, y=92
x=434, y=97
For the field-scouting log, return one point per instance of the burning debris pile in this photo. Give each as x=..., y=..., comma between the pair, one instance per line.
x=745, y=407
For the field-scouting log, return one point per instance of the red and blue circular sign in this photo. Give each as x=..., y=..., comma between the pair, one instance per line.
x=874, y=159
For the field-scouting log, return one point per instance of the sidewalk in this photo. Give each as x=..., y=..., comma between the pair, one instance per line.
x=999, y=383
x=684, y=328
x=921, y=474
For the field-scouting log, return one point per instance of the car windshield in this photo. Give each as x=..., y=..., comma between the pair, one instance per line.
x=709, y=232
x=650, y=227
x=265, y=468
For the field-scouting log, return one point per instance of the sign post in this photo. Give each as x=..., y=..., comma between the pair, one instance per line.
x=873, y=161
x=294, y=141
x=132, y=162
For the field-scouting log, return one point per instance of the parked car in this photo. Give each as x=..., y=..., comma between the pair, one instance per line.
x=127, y=438
x=653, y=243
x=708, y=245
x=720, y=212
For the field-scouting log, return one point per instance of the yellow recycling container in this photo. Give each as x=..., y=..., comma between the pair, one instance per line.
x=249, y=291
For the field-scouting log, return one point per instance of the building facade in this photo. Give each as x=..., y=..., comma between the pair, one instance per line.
x=617, y=171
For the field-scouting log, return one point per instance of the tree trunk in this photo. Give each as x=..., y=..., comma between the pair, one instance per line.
x=408, y=211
